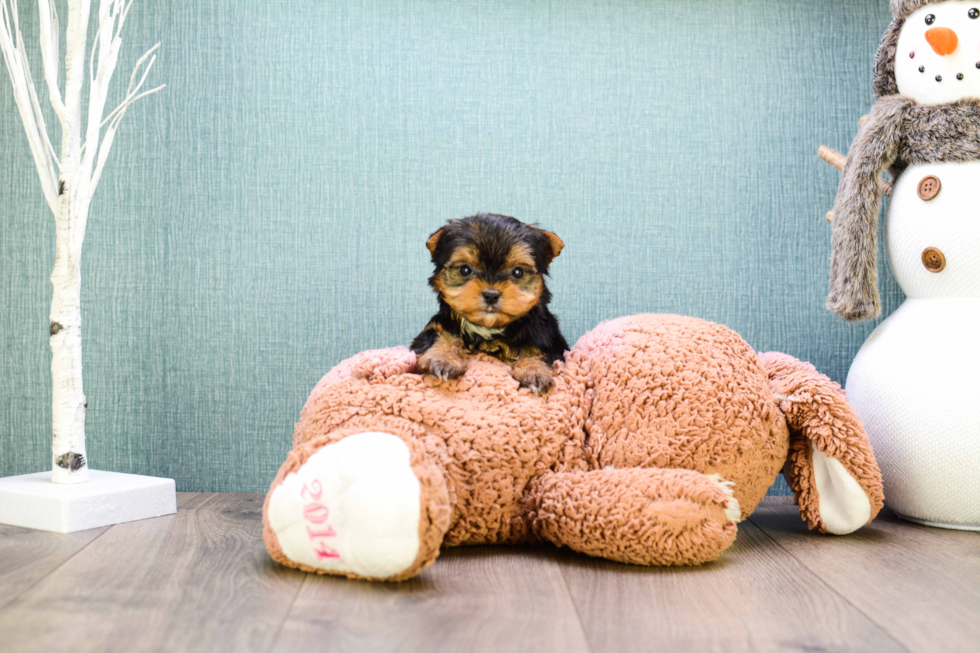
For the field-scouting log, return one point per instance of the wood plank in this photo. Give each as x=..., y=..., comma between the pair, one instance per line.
x=199, y=580
x=755, y=598
x=192, y=500
x=920, y=584
x=27, y=556
x=472, y=599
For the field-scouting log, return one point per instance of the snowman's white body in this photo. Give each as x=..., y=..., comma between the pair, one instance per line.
x=916, y=381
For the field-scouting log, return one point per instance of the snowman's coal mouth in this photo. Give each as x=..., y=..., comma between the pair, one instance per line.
x=939, y=78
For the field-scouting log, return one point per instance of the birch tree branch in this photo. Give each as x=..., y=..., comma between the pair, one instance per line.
x=25, y=97
x=130, y=91
x=76, y=36
x=116, y=115
x=49, y=38
x=38, y=114
x=110, y=133
x=107, y=45
x=100, y=44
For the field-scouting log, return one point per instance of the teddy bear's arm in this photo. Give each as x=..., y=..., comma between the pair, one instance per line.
x=377, y=364
x=639, y=516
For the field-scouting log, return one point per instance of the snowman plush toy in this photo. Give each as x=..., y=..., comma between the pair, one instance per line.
x=916, y=381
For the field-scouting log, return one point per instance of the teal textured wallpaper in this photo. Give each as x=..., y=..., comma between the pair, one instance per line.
x=265, y=216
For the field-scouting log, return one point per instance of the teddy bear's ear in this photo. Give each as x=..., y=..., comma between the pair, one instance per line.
x=831, y=467
x=433, y=241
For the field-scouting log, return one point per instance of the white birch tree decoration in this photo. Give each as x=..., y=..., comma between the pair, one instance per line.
x=69, y=181
x=78, y=498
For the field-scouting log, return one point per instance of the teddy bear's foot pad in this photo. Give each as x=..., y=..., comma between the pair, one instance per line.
x=352, y=508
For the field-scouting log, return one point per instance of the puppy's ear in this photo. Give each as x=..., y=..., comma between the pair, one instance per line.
x=433, y=241
x=556, y=244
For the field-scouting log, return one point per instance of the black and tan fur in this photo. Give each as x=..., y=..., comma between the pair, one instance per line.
x=489, y=276
x=898, y=132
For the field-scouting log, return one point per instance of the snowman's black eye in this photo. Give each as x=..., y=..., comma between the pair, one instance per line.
x=930, y=19
x=974, y=13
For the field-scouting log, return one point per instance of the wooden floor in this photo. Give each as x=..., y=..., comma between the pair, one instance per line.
x=201, y=581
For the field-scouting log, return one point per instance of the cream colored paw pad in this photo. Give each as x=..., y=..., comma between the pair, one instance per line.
x=843, y=505
x=733, y=511
x=353, y=507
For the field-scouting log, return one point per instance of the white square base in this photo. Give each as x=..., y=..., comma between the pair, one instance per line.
x=33, y=501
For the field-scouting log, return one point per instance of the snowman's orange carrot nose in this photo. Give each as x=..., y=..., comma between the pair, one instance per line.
x=943, y=40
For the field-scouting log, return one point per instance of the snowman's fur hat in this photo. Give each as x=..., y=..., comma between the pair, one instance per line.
x=884, y=81
x=898, y=132
x=902, y=8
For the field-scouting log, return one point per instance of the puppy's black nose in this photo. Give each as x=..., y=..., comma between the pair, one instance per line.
x=490, y=296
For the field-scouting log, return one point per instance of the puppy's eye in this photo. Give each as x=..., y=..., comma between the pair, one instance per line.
x=974, y=13
x=930, y=19
x=465, y=270
x=517, y=273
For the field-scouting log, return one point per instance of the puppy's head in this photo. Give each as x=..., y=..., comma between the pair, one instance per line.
x=490, y=268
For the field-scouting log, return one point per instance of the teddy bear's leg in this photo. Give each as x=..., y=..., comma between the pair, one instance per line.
x=371, y=505
x=639, y=516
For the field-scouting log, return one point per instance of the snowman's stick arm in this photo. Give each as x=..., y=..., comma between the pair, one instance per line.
x=838, y=160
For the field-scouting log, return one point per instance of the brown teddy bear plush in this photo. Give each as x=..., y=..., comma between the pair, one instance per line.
x=660, y=434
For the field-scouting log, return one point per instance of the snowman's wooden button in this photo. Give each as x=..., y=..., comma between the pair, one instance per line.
x=933, y=259
x=929, y=187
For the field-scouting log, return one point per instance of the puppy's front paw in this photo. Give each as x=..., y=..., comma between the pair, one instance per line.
x=533, y=374
x=444, y=365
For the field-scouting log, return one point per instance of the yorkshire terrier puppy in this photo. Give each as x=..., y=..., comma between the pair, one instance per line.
x=489, y=275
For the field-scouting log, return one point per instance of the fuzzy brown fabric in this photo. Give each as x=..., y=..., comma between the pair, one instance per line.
x=489, y=437
x=819, y=415
x=668, y=517
x=632, y=455
x=678, y=392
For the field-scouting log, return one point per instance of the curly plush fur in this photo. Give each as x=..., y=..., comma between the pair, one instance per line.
x=661, y=433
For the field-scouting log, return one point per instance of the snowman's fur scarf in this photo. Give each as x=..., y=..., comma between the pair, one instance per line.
x=898, y=132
